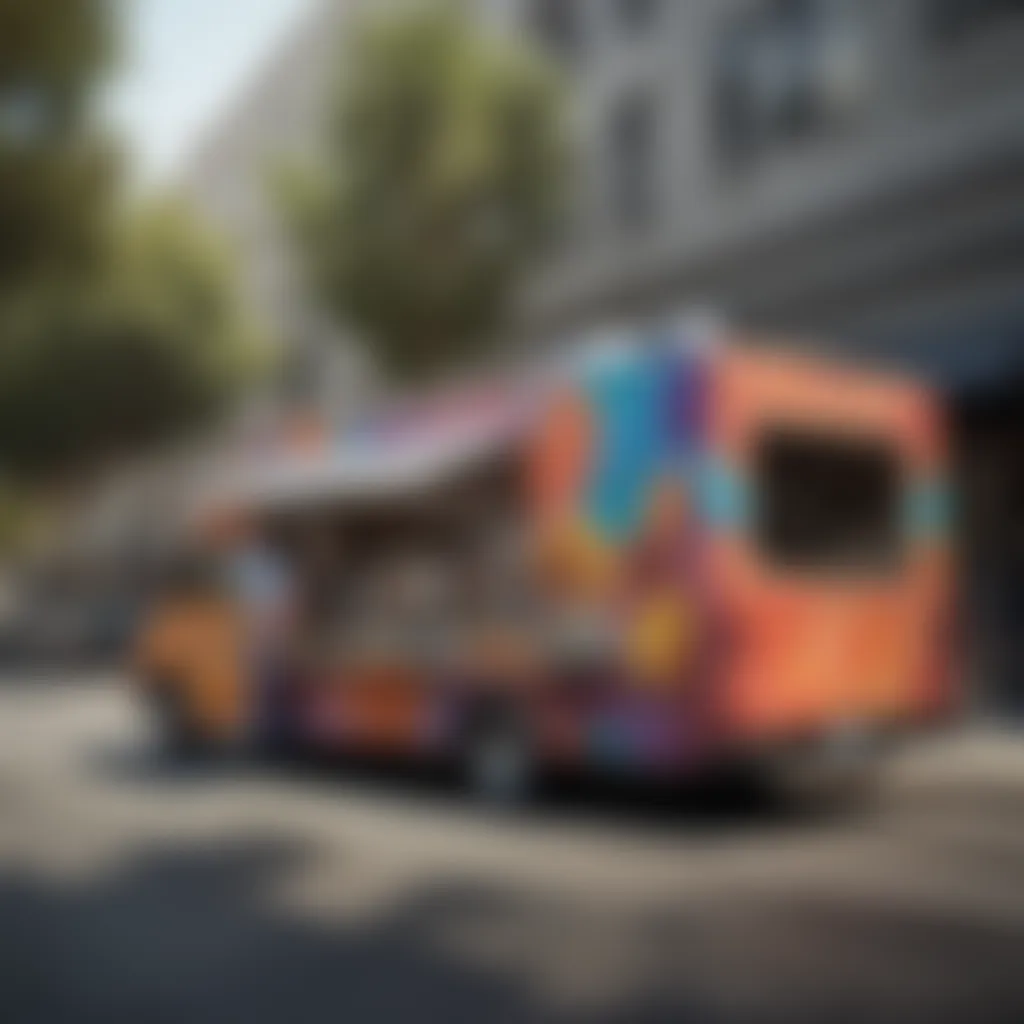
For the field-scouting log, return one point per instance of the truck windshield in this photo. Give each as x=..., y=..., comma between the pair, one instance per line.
x=828, y=502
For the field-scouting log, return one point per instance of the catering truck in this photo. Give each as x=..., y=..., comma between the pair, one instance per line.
x=660, y=558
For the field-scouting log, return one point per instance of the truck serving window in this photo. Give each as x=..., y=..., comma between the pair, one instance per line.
x=828, y=502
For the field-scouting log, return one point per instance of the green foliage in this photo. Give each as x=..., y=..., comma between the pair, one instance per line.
x=57, y=171
x=152, y=346
x=118, y=328
x=439, y=180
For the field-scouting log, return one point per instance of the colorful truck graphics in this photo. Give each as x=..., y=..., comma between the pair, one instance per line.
x=660, y=489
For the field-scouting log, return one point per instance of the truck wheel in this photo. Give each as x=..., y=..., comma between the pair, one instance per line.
x=176, y=733
x=812, y=779
x=499, y=764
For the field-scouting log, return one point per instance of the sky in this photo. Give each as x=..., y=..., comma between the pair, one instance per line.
x=185, y=63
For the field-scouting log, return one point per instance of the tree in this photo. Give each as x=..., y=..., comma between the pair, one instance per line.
x=57, y=170
x=154, y=345
x=119, y=327
x=439, y=179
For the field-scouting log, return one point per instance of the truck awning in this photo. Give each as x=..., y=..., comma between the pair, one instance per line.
x=408, y=450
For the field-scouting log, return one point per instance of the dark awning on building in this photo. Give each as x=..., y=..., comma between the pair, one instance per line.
x=963, y=355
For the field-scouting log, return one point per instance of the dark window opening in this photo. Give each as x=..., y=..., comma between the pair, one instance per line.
x=637, y=16
x=788, y=69
x=826, y=502
x=558, y=25
x=951, y=21
x=634, y=163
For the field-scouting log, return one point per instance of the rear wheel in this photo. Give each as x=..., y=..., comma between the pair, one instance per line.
x=829, y=773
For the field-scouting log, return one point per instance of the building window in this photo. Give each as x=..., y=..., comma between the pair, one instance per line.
x=951, y=21
x=789, y=69
x=558, y=25
x=636, y=16
x=633, y=159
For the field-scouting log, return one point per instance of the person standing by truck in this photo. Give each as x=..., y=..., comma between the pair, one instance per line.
x=263, y=586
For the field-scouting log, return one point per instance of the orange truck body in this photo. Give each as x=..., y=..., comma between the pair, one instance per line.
x=639, y=491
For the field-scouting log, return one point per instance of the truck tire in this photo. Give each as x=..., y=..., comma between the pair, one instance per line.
x=498, y=761
x=177, y=736
x=811, y=778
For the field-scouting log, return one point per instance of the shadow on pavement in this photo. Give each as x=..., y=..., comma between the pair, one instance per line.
x=713, y=806
x=199, y=934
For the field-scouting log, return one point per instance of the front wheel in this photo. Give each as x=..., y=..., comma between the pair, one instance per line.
x=499, y=764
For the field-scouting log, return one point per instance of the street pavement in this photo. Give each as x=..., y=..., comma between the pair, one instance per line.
x=133, y=891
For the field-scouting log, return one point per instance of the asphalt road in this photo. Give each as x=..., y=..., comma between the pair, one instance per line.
x=131, y=892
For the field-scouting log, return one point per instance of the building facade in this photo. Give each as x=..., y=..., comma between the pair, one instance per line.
x=841, y=168
x=847, y=169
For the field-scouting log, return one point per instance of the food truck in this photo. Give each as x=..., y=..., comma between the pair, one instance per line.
x=657, y=559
